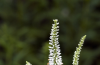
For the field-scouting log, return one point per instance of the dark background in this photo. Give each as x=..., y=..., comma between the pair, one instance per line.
x=25, y=27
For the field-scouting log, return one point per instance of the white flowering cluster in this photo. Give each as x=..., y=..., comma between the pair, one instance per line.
x=54, y=48
x=78, y=50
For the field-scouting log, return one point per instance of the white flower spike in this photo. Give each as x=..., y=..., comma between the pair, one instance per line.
x=54, y=56
x=78, y=50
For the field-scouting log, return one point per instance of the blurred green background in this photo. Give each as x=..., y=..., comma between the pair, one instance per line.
x=25, y=27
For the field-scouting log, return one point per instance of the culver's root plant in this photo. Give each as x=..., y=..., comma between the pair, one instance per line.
x=55, y=57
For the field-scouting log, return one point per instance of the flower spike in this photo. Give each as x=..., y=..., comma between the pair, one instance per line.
x=54, y=49
x=78, y=50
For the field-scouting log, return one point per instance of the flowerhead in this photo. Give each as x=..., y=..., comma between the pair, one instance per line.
x=78, y=50
x=54, y=48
